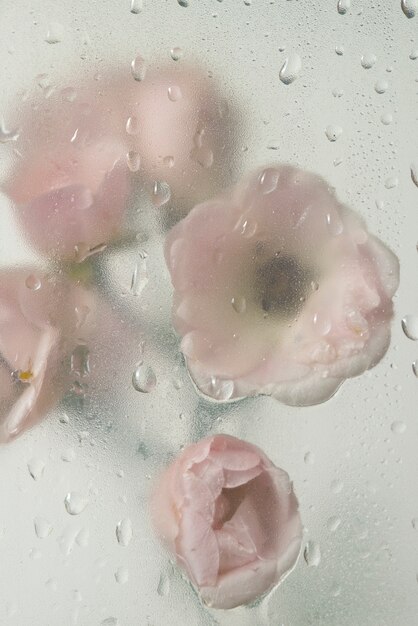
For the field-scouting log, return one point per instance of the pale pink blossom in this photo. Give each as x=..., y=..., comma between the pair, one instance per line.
x=279, y=289
x=231, y=519
x=39, y=317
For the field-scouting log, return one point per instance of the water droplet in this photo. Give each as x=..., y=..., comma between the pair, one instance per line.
x=333, y=132
x=336, y=486
x=75, y=502
x=414, y=523
x=339, y=50
x=133, y=160
x=414, y=54
x=136, y=6
x=80, y=361
x=82, y=251
x=414, y=173
x=409, y=7
x=43, y=528
x=168, y=161
x=183, y=3
x=163, y=588
x=81, y=313
x=309, y=458
x=290, y=69
x=35, y=554
x=55, y=32
x=218, y=389
x=110, y=621
x=337, y=92
x=386, y=118
x=140, y=275
x=391, y=182
x=239, y=304
x=144, y=378
x=174, y=93
x=312, y=554
x=51, y=584
x=122, y=575
x=381, y=86
x=124, y=532
x=132, y=125
x=415, y=368
x=176, y=53
x=368, y=60
x=139, y=68
x=36, y=468
x=343, y=6
x=410, y=326
x=203, y=155
x=33, y=282
x=68, y=455
x=333, y=523
x=83, y=537
x=268, y=181
x=161, y=193
x=398, y=427
x=322, y=323
x=8, y=135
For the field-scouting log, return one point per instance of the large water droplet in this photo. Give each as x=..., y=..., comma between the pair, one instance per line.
x=368, y=60
x=333, y=132
x=124, y=532
x=381, y=86
x=409, y=7
x=414, y=173
x=309, y=458
x=133, y=160
x=203, y=155
x=163, y=588
x=8, y=135
x=410, y=326
x=33, y=283
x=80, y=361
x=174, y=93
x=268, y=181
x=139, y=275
x=414, y=54
x=183, y=3
x=36, y=468
x=68, y=455
x=132, y=125
x=136, y=6
x=398, y=427
x=139, y=68
x=43, y=528
x=239, y=304
x=322, y=323
x=144, y=378
x=312, y=554
x=290, y=69
x=218, y=389
x=415, y=367
x=75, y=502
x=343, y=6
x=55, y=32
x=391, y=182
x=161, y=193
x=176, y=53
x=333, y=523
x=386, y=118
x=122, y=575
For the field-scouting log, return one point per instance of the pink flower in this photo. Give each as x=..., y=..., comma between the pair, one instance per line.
x=230, y=517
x=71, y=186
x=38, y=319
x=279, y=289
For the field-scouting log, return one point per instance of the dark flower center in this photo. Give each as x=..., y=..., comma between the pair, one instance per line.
x=281, y=285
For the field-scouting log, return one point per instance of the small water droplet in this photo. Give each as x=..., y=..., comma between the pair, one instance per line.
x=414, y=173
x=333, y=132
x=139, y=68
x=333, y=523
x=168, y=161
x=43, y=528
x=80, y=361
x=136, y=6
x=239, y=304
x=144, y=378
x=386, y=118
x=55, y=33
x=183, y=3
x=336, y=486
x=290, y=69
x=174, y=93
x=36, y=468
x=68, y=455
x=132, y=125
x=414, y=523
x=161, y=193
x=218, y=389
x=368, y=60
x=415, y=368
x=343, y=6
x=110, y=621
x=409, y=7
x=312, y=554
x=381, y=86
x=414, y=54
x=391, y=182
x=339, y=50
x=124, y=532
x=75, y=502
x=176, y=53
x=140, y=275
x=8, y=135
x=133, y=160
x=33, y=282
x=163, y=588
x=398, y=427
x=410, y=326
x=309, y=458
x=268, y=181
x=122, y=575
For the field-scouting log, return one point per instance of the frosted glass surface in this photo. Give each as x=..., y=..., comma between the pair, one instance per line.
x=353, y=459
